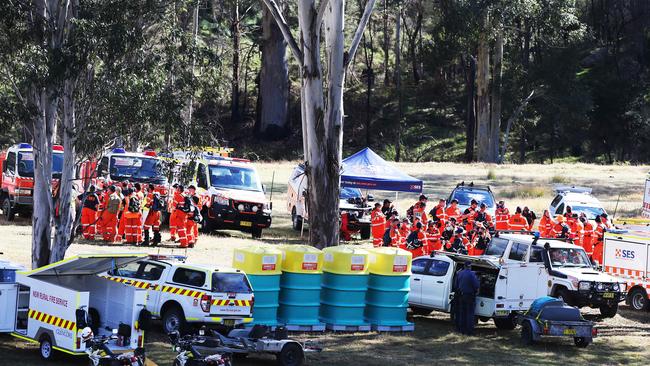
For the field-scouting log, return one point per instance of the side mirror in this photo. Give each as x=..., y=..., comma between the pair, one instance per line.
x=264, y=188
x=114, y=331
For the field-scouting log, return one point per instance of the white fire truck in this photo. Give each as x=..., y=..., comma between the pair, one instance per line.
x=55, y=302
x=626, y=256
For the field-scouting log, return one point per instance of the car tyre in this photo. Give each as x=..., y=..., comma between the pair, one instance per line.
x=639, y=300
x=291, y=354
x=420, y=311
x=581, y=342
x=508, y=323
x=7, y=210
x=563, y=294
x=527, y=334
x=365, y=232
x=608, y=311
x=45, y=348
x=174, y=320
x=296, y=220
x=256, y=233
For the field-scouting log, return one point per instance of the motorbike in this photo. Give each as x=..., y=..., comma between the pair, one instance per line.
x=188, y=350
x=100, y=355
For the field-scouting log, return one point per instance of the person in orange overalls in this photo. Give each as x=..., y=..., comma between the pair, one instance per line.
x=587, y=236
x=433, y=236
x=469, y=215
x=152, y=222
x=577, y=230
x=501, y=217
x=404, y=231
x=599, y=234
x=416, y=242
x=560, y=229
x=481, y=239
x=377, y=225
x=458, y=243
x=193, y=219
x=545, y=225
x=517, y=222
x=103, y=194
x=438, y=212
x=177, y=220
x=89, y=213
x=128, y=193
x=453, y=212
x=132, y=218
x=419, y=210
x=109, y=217
x=483, y=217
x=392, y=234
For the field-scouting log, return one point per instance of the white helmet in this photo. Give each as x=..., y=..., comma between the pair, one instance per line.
x=86, y=334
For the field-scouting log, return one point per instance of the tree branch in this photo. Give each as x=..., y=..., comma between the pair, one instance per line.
x=359, y=32
x=284, y=28
x=511, y=120
x=321, y=12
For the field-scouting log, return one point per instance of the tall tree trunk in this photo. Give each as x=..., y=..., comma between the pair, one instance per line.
x=236, y=39
x=274, y=80
x=190, y=100
x=495, y=114
x=482, y=92
x=386, y=44
x=413, y=43
x=398, y=84
x=470, y=121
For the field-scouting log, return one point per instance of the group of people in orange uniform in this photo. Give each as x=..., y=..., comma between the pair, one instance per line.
x=446, y=227
x=129, y=213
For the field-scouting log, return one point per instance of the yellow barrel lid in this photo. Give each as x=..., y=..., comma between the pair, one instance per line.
x=345, y=259
x=388, y=261
x=258, y=260
x=301, y=259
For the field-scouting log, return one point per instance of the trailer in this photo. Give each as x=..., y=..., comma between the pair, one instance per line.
x=626, y=256
x=8, y=294
x=55, y=302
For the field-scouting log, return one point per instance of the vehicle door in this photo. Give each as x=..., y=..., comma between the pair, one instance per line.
x=536, y=260
x=8, y=296
x=418, y=267
x=187, y=285
x=554, y=203
x=437, y=282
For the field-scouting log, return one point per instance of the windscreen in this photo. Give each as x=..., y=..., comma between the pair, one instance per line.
x=497, y=247
x=464, y=197
x=349, y=193
x=135, y=168
x=234, y=178
x=26, y=164
x=230, y=282
x=569, y=257
x=590, y=212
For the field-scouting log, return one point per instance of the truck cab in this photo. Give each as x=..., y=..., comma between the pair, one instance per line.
x=566, y=271
x=579, y=198
x=231, y=192
x=506, y=288
x=17, y=180
x=181, y=293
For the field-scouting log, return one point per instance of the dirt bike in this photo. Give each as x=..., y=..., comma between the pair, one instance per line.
x=100, y=355
x=188, y=352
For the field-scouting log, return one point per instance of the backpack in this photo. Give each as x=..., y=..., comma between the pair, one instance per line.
x=134, y=205
x=387, y=240
x=157, y=204
x=197, y=215
x=412, y=241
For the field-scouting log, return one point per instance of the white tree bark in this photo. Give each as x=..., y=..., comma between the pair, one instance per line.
x=482, y=94
x=495, y=114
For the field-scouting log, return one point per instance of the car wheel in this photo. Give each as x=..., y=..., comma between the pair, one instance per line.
x=365, y=232
x=296, y=220
x=639, y=300
x=527, y=334
x=608, y=311
x=45, y=348
x=7, y=211
x=256, y=233
x=173, y=320
x=291, y=355
x=581, y=342
x=563, y=295
x=420, y=311
x=508, y=323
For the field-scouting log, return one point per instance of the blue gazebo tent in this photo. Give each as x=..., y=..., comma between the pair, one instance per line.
x=367, y=170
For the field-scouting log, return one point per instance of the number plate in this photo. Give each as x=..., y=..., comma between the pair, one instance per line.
x=569, y=331
x=501, y=312
x=229, y=322
x=608, y=295
x=246, y=223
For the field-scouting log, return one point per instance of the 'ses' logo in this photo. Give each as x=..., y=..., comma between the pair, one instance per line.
x=624, y=254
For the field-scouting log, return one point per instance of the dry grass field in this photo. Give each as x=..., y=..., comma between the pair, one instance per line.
x=624, y=339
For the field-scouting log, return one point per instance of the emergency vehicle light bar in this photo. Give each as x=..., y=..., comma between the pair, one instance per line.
x=159, y=257
x=24, y=145
x=119, y=150
x=57, y=148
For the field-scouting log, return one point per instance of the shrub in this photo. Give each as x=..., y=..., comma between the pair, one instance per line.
x=559, y=179
x=491, y=175
x=526, y=192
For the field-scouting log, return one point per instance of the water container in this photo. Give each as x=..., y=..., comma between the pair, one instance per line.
x=388, y=286
x=344, y=286
x=262, y=265
x=300, y=285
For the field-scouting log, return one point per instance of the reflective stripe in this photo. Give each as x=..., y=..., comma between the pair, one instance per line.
x=52, y=320
x=230, y=302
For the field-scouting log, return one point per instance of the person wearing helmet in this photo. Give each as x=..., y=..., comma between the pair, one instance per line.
x=155, y=205
x=89, y=203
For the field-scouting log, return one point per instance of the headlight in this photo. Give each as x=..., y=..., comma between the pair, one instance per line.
x=600, y=287
x=584, y=286
x=622, y=286
x=23, y=192
x=255, y=208
x=220, y=199
x=240, y=207
x=616, y=287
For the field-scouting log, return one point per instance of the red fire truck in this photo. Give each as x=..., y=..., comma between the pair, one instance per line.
x=17, y=181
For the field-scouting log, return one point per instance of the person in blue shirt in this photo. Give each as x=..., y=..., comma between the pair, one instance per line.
x=467, y=286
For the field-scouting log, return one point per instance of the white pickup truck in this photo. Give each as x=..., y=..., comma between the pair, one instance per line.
x=505, y=288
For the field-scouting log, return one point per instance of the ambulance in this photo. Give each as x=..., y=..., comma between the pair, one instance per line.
x=626, y=256
x=55, y=302
x=17, y=180
x=182, y=293
x=231, y=192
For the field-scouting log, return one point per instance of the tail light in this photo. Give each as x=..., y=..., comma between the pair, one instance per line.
x=206, y=300
x=140, y=341
x=252, y=300
x=594, y=332
x=78, y=344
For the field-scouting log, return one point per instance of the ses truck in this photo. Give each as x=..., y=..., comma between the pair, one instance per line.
x=55, y=302
x=626, y=256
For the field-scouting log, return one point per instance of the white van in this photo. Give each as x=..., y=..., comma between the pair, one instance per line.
x=55, y=302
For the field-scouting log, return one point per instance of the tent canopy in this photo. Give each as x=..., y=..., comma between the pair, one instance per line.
x=367, y=170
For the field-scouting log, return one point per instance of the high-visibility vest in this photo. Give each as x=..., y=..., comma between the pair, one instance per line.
x=501, y=218
x=517, y=223
x=545, y=226
x=419, y=213
x=588, y=238
x=453, y=212
x=441, y=214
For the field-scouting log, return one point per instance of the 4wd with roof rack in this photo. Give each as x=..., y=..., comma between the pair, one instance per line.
x=465, y=193
x=181, y=293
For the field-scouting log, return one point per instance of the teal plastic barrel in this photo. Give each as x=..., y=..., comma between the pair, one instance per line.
x=267, y=294
x=343, y=299
x=387, y=300
x=299, y=298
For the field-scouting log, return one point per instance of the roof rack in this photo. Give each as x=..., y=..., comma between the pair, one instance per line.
x=558, y=188
x=168, y=257
x=472, y=185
